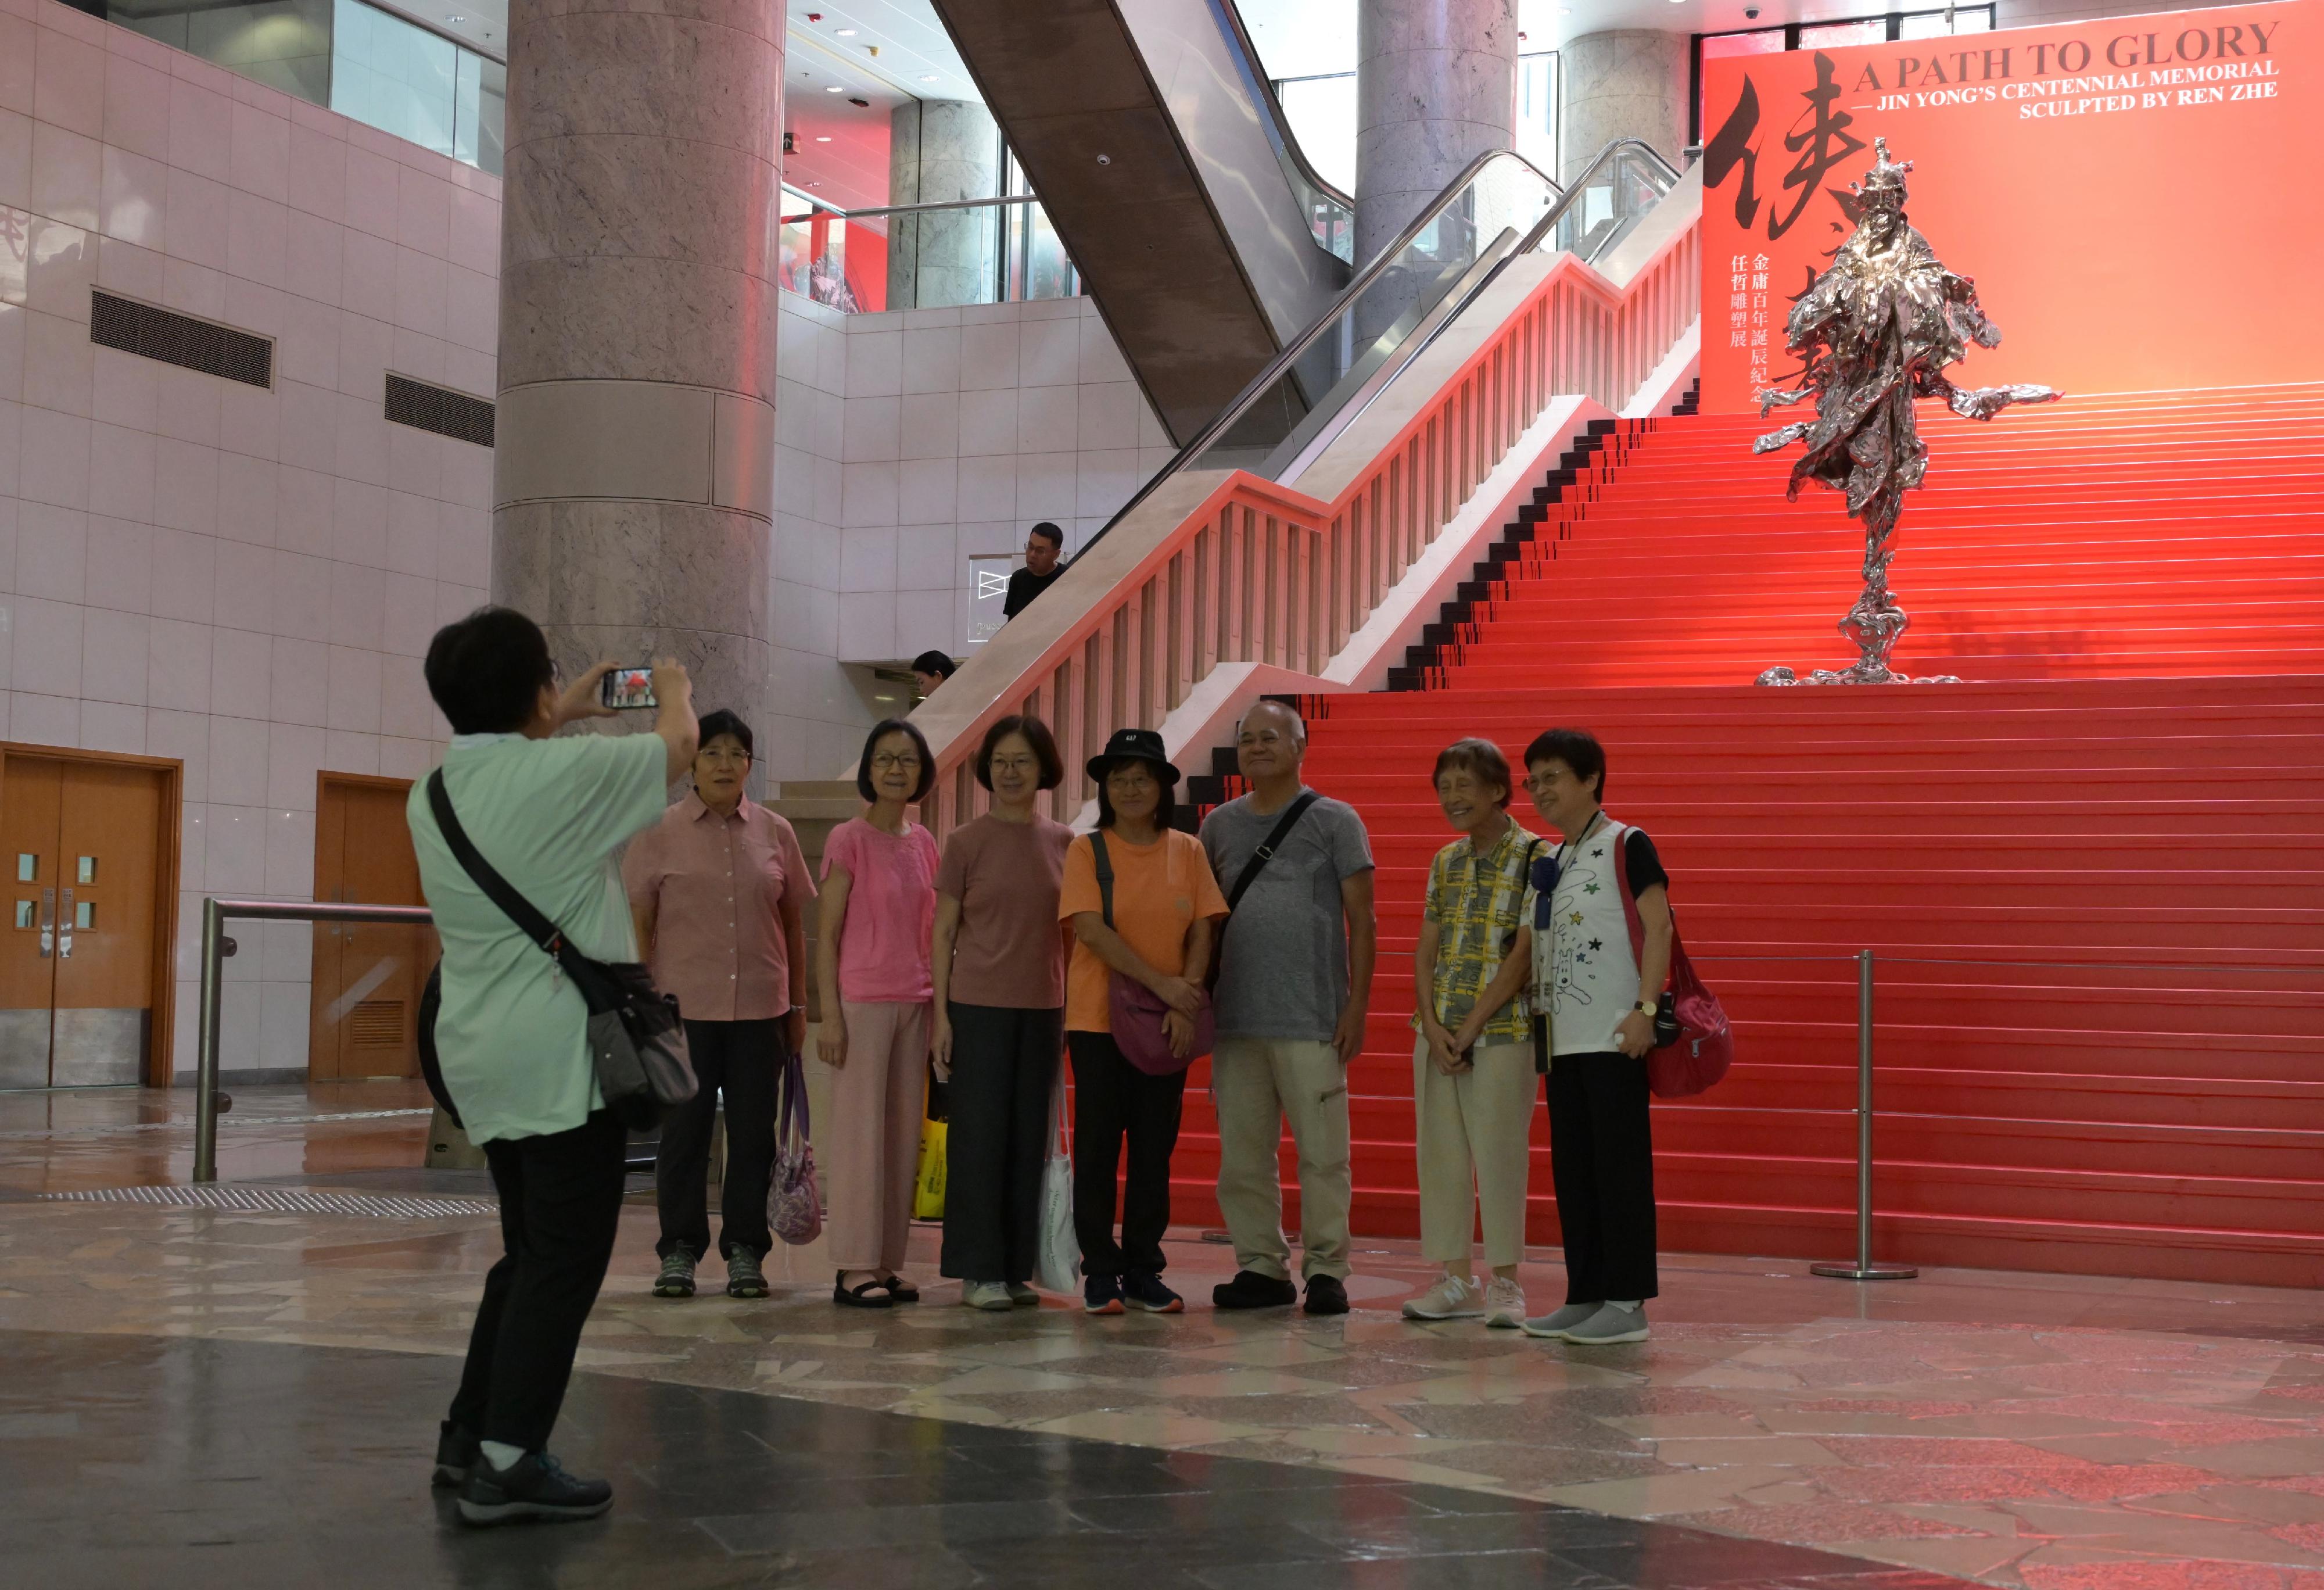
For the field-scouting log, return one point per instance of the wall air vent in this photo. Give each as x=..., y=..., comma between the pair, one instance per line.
x=440, y=408
x=174, y=338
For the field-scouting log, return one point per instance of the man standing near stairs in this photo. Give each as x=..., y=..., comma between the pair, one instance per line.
x=1294, y=979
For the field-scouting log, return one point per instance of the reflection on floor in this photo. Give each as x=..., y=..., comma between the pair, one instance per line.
x=2060, y=1433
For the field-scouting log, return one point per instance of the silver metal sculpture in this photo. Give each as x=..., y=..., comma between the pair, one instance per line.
x=1877, y=332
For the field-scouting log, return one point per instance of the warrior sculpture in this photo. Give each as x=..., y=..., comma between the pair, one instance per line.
x=1877, y=332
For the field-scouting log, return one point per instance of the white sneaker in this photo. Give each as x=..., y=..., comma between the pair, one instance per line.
x=986, y=1294
x=1609, y=1325
x=1556, y=1325
x=1505, y=1303
x=1451, y=1298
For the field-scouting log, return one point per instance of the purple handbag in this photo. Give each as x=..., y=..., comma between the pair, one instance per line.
x=1135, y=1012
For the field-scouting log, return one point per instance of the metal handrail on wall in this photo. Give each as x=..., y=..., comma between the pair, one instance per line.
x=216, y=947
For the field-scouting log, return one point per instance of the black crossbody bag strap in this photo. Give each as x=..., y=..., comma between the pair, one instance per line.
x=502, y=893
x=1105, y=874
x=1269, y=846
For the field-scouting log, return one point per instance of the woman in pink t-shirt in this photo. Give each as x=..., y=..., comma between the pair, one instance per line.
x=878, y=908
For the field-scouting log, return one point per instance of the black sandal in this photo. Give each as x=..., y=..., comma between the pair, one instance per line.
x=899, y=1289
x=858, y=1295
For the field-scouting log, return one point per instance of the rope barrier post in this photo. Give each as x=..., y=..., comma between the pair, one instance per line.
x=1864, y=1269
x=205, y=1043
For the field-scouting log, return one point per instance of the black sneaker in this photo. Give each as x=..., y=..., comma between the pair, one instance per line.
x=1325, y=1295
x=1148, y=1293
x=533, y=1487
x=1250, y=1289
x=455, y=1455
x=1101, y=1294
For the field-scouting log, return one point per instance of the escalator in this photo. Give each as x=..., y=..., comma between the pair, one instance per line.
x=1150, y=131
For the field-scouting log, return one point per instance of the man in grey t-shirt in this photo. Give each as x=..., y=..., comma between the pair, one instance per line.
x=1294, y=979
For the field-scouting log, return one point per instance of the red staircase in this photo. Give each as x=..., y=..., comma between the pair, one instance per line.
x=2126, y=795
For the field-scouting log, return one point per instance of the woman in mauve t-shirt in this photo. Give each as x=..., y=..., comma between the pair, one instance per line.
x=999, y=1014
x=878, y=908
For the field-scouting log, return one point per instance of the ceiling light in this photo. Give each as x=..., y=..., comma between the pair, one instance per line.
x=823, y=137
x=927, y=77
x=847, y=33
x=456, y=19
x=833, y=89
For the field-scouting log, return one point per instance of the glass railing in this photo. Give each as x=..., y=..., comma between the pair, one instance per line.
x=1499, y=207
x=1331, y=214
x=928, y=256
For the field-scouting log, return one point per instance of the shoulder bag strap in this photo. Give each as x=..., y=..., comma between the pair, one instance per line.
x=500, y=891
x=1105, y=873
x=1267, y=847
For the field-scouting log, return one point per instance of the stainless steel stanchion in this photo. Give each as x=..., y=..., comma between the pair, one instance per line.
x=1864, y=1269
x=206, y=1041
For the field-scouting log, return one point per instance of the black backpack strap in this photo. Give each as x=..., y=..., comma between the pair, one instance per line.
x=502, y=892
x=1105, y=873
x=1269, y=846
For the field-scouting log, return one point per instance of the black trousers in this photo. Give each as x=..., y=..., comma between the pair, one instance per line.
x=744, y=1060
x=1004, y=1062
x=560, y=1206
x=1601, y=1158
x=1114, y=1101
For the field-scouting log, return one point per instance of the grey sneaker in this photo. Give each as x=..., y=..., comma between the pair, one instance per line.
x=1504, y=1304
x=985, y=1294
x=1557, y=1324
x=1022, y=1295
x=1449, y=1298
x=677, y=1277
x=1609, y=1325
x=744, y=1278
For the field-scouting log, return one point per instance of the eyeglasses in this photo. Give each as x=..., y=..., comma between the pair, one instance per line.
x=725, y=753
x=904, y=758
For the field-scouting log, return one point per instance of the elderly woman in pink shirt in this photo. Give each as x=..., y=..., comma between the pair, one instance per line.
x=719, y=891
x=874, y=928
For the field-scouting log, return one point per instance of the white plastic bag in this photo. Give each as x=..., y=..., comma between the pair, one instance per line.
x=1059, y=1269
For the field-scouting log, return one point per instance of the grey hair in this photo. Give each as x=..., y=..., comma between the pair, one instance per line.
x=1298, y=718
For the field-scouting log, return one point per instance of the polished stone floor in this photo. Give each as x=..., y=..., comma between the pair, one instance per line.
x=2052, y=1432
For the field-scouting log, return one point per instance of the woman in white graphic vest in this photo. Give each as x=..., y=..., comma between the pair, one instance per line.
x=1599, y=973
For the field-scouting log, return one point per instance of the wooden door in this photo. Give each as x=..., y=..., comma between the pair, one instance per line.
x=367, y=977
x=30, y=792
x=108, y=867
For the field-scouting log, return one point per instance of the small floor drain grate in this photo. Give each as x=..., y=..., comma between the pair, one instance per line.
x=270, y=1200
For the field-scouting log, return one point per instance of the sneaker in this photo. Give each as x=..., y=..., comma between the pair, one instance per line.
x=1146, y=1292
x=985, y=1294
x=1250, y=1289
x=535, y=1486
x=455, y=1455
x=744, y=1278
x=1609, y=1324
x=1325, y=1295
x=1023, y=1296
x=1504, y=1303
x=677, y=1277
x=1101, y=1294
x=1557, y=1324
x=1451, y=1298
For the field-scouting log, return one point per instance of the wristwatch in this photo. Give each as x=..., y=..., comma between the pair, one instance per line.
x=1648, y=1008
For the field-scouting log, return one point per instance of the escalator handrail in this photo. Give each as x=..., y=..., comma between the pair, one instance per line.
x=1278, y=124
x=1371, y=272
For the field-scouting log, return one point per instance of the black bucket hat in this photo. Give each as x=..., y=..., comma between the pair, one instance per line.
x=1134, y=745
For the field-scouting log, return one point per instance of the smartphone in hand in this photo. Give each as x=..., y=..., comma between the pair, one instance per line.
x=626, y=688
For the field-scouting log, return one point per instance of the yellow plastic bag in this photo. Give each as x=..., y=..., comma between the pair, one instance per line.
x=928, y=1189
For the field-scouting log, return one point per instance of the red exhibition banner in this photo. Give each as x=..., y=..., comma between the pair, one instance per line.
x=2132, y=196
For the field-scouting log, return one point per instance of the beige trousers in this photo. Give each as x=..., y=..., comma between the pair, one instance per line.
x=870, y=1148
x=1260, y=1083
x=1474, y=1127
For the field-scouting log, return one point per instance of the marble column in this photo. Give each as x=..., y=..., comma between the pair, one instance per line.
x=940, y=150
x=1625, y=83
x=1435, y=87
x=633, y=477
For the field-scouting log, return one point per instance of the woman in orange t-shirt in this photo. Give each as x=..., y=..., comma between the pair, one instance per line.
x=1167, y=908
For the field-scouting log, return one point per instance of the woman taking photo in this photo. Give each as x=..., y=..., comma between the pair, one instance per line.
x=1474, y=1079
x=871, y=968
x=1165, y=907
x=1000, y=1020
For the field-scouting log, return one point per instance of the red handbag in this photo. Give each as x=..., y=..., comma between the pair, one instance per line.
x=1134, y=1011
x=1699, y=1054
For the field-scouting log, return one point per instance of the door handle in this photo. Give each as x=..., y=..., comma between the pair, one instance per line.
x=64, y=930
x=48, y=922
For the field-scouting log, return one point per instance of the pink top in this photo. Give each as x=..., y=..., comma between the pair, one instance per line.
x=891, y=911
x=716, y=886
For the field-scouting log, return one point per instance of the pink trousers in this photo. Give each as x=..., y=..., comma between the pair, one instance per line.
x=870, y=1149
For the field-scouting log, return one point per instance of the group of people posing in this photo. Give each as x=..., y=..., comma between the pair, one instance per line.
x=1132, y=951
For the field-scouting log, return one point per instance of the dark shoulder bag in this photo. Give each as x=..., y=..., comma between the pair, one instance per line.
x=1134, y=1011
x=1250, y=875
x=637, y=1043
